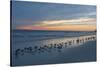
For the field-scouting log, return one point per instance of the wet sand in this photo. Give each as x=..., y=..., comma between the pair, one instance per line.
x=52, y=51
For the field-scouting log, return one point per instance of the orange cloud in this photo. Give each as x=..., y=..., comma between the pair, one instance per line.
x=73, y=27
x=30, y=27
x=79, y=24
x=61, y=28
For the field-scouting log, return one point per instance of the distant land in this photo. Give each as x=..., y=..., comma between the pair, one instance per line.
x=55, y=30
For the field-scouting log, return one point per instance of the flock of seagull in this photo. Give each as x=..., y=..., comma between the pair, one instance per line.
x=49, y=47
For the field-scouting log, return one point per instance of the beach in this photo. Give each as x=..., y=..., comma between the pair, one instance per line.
x=51, y=47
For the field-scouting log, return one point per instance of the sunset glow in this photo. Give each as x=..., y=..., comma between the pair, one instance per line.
x=85, y=24
x=37, y=16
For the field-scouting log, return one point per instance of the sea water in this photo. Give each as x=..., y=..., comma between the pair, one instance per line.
x=51, y=47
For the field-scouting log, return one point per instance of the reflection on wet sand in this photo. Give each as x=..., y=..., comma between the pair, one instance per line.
x=50, y=45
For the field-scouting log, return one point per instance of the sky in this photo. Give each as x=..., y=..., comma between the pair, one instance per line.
x=53, y=16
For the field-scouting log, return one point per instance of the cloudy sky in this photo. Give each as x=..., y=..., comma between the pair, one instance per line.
x=51, y=16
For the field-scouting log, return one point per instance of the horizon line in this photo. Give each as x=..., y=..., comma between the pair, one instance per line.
x=53, y=30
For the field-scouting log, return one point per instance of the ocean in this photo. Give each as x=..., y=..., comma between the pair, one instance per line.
x=35, y=47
